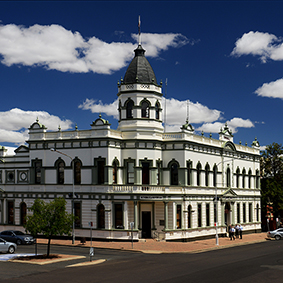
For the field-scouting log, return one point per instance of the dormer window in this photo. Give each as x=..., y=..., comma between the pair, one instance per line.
x=129, y=107
x=145, y=109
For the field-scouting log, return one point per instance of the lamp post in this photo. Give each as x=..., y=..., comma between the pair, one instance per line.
x=216, y=202
x=73, y=191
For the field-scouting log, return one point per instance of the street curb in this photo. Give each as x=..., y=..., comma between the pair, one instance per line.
x=49, y=261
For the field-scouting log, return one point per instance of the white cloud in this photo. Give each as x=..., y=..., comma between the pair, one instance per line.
x=198, y=113
x=54, y=47
x=264, y=45
x=272, y=89
x=98, y=107
x=15, y=123
x=153, y=43
x=233, y=125
x=174, y=119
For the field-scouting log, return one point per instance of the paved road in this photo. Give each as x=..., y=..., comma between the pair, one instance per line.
x=262, y=262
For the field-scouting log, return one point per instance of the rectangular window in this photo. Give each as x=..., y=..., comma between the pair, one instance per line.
x=207, y=215
x=238, y=213
x=37, y=172
x=189, y=172
x=118, y=217
x=179, y=216
x=158, y=173
x=100, y=172
x=10, y=212
x=130, y=173
x=244, y=212
x=77, y=207
x=199, y=215
x=145, y=173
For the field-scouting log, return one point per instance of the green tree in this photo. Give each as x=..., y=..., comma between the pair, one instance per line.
x=49, y=219
x=272, y=177
x=34, y=222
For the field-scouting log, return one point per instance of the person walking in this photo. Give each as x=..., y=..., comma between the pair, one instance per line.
x=232, y=232
x=237, y=231
x=240, y=231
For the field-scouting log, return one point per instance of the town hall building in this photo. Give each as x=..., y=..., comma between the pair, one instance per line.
x=163, y=185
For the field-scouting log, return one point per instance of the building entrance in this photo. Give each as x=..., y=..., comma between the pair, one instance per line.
x=227, y=213
x=146, y=224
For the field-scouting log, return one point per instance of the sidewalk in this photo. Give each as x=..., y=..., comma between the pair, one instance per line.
x=153, y=246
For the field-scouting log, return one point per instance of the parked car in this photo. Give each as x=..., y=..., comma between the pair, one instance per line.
x=17, y=237
x=277, y=234
x=7, y=247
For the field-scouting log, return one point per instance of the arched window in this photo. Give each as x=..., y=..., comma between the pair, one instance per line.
x=174, y=173
x=238, y=178
x=120, y=106
x=243, y=178
x=189, y=216
x=250, y=178
x=179, y=216
x=23, y=210
x=215, y=175
x=157, y=109
x=228, y=177
x=77, y=172
x=257, y=179
x=60, y=172
x=100, y=216
x=129, y=107
x=207, y=175
x=145, y=109
x=198, y=174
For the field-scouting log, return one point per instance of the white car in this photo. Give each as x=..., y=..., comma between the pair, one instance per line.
x=7, y=247
x=277, y=234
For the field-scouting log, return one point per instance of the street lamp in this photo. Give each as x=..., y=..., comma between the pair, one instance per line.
x=73, y=191
x=216, y=208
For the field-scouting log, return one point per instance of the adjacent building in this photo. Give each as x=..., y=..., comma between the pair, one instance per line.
x=171, y=186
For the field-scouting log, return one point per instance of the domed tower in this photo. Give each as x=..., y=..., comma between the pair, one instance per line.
x=140, y=99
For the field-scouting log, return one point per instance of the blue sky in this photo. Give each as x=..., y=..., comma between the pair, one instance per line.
x=60, y=61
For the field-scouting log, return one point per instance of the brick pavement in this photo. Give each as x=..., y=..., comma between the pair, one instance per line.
x=153, y=246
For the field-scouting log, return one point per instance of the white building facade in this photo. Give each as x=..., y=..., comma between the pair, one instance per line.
x=170, y=186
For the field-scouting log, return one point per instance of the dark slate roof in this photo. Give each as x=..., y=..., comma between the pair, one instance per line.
x=139, y=70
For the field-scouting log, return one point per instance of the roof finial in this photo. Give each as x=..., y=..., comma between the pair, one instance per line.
x=139, y=25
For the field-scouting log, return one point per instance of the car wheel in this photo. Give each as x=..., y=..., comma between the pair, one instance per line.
x=19, y=242
x=277, y=237
x=11, y=250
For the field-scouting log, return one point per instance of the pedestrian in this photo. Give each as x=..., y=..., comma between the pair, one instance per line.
x=237, y=231
x=240, y=231
x=229, y=230
x=232, y=232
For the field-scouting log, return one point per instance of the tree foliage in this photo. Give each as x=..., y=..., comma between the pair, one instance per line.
x=272, y=176
x=49, y=219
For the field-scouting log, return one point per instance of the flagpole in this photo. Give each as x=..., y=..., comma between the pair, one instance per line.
x=139, y=25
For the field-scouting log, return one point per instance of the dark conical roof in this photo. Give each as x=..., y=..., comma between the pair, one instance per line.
x=139, y=70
